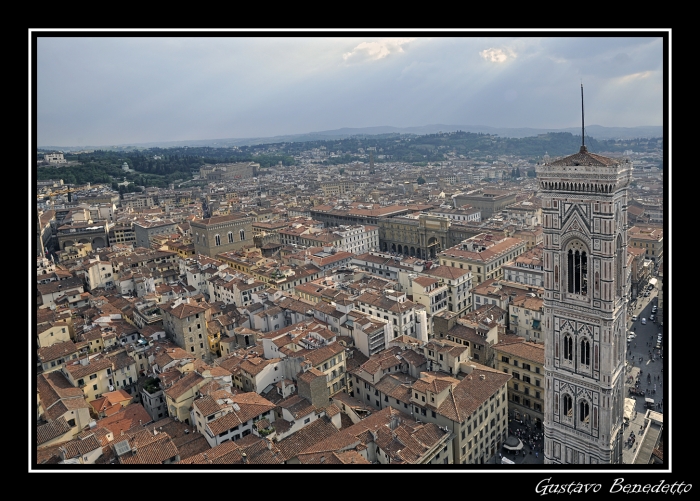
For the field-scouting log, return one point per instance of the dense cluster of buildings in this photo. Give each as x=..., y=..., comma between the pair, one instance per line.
x=304, y=316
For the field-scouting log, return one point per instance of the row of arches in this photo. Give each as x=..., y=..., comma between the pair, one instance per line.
x=97, y=242
x=584, y=187
x=581, y=413
x=581, y=352
x=412, y=251
x=217, y=238
x=576, y=269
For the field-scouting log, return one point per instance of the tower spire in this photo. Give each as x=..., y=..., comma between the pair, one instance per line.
x=583, y=137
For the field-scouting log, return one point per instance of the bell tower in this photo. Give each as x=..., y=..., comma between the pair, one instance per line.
x=584, y=211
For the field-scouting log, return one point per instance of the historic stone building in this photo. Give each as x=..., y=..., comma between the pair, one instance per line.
x=229, y=172
x=584, y=209
x=219, y=234
x=488, y=201
x=95, y=234
x=423, y=236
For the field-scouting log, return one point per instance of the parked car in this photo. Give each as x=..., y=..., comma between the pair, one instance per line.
x=634, y=318
x=646, y=294
x=652, y=317
x=644, y=321
x=654, y=309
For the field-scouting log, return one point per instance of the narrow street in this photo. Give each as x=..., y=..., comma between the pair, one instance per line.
x=644, y=369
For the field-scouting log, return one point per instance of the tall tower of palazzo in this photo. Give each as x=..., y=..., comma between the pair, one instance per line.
x=584, y=209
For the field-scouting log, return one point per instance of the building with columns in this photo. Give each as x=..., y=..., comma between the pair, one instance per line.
x=584, y=211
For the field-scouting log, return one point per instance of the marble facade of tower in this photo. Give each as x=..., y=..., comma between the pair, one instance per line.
x=584, y=212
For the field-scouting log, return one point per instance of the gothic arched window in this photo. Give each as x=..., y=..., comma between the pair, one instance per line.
x=230, y=237
x=585, y=352
x=583, y=411
x=577, y=269
x=568, y=348
x=567, y=406
x=217, y=239
x=242, y=234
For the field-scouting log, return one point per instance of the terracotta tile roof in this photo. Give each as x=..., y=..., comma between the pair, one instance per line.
x=425, y=281
x=109, y=399
x=79, y=447
x=297, y=406
x=396, y=386
x=344, y=457
x=51, y=430
x=208, y=405
x=79, y=371
x=255, y=365
x=130, y=416
x=529, y=303
x=383, y=360
x=65, y=405
x=121, y=360
x=49, y=454
x=490, y=253
x=314, y=432
x=378, y=425
x=187, y=382
x=471, y=392
x=447, y=272
x=434, y=384
x=251, y=405
x=383, y=302
x=155, y=451
x=524, y=350
x=185, y=310
x=413, y=358
x=583, y=157
x=170, y=354
x=54, y=386
x=226, y=453
x=56, y=351
x=101, y=433
x=259, y=451
x=324, y=353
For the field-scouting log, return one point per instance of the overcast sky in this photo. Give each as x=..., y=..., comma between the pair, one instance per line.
x=126, y=90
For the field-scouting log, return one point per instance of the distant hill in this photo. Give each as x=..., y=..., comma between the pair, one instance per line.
x=595, y=131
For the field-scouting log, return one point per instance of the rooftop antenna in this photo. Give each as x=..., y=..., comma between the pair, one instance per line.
x=583, y=137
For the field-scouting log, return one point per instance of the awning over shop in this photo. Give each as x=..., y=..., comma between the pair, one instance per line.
x=629, y=408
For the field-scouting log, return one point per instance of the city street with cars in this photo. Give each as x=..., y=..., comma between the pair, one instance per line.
x=644, y=368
